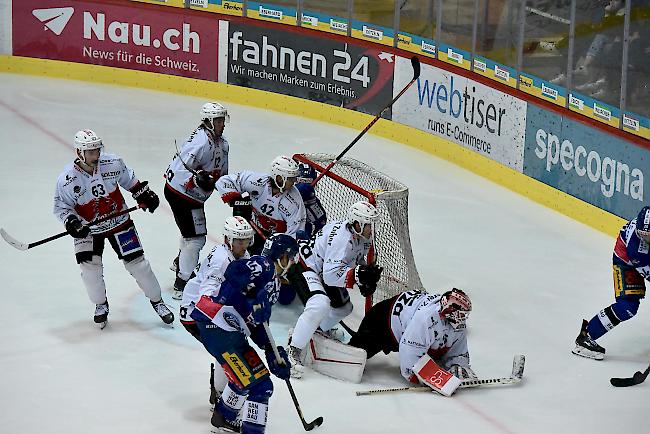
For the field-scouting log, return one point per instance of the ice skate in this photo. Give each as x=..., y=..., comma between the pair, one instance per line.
x=101, y=314
x=333, y=333
x=297, y=366
x=179, y=287
x=587, y=347
x=174, y=266
x=163, y=311
x=221, y=425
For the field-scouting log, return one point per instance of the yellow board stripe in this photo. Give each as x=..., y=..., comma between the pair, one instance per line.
x=515, y=181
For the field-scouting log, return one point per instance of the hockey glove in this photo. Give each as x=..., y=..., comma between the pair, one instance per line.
x=75, y=228
x=145, y=196
x=279, y=368
x=261, y=308
x=367, y=277
x=462, y=372
x=242, y=206
x=204, y=180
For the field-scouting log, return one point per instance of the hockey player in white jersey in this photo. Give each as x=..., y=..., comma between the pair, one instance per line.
x=209, y=275
x=416, y=323
x=270, y=202
x=88, y=189
x=190, y=180
x=334, y=261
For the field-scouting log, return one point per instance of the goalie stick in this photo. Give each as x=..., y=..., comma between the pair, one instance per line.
x=638, y=378
x=415, y=63
x=518, y=363
x=25, y=246
x=307, y=425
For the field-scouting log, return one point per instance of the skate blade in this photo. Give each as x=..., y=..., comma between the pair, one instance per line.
x=222, y=430
x=177, y=295
x=102, y=325
x=583, y=352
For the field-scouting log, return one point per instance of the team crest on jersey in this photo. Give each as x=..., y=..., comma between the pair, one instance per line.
x=232, y=321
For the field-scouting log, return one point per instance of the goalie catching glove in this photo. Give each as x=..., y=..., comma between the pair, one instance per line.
x=204, y=180
x=367, y=277
x=75, y=228
x=145, y=197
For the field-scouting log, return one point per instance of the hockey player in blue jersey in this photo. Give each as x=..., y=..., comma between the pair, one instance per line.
x=225, y=323
x=316, y=215
x=631, y=265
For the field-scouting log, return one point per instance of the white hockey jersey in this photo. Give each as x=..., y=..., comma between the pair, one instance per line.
x=94, y=196
x=208, y=279
x=199, y=152
x=334, y=253
x=418, y=327
x=280, y=213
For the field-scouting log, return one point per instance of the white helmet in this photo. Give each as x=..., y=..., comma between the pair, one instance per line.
x=212, y=110
x=237, y=228
x=284, y=167
x=362, y=212
x=86, y=140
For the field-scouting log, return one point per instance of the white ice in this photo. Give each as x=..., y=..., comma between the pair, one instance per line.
x=532, y=273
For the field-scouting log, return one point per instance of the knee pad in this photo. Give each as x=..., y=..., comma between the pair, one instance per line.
x=141, y=271
x=92, y=275
x=261, y=391
x=625, y=307
x=188, y=256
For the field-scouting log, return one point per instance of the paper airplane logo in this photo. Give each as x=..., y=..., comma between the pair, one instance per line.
x=54, y=19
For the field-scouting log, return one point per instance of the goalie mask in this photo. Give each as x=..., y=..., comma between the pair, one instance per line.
x=277, y=246
x=86, y=140
x=643, y=224
x=455, y=307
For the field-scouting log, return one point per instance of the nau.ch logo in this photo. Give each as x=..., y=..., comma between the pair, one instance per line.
x=54, y=19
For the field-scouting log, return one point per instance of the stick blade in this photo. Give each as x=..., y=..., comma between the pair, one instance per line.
x=12, y=241
x=314, y=424
x=637, y=378
x=415, y=63
x=518, y=363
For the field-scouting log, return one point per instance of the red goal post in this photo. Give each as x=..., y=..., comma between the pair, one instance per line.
x=349, y=181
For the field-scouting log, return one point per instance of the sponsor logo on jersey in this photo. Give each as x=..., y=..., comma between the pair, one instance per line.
x=76, y=189
x=232, y=321
x=54, y=19
x=110, y=174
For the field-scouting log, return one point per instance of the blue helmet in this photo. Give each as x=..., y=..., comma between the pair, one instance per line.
x=307, y=174
x=278, y=245
x=643, y=224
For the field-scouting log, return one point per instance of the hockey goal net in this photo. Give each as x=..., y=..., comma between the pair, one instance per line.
x=350, y=181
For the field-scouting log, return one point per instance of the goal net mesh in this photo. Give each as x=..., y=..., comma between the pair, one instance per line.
x=350, y=181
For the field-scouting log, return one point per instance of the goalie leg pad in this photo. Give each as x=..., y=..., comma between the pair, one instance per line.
x=336, y=359
x=317, y=308
x=92, y=276
x=189, y=255
x=141, y=271
x=429, y=373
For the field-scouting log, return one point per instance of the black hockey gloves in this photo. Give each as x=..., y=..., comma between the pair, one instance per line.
x=204, y=180
x=367, y=277
x=75, y=228
x=145, y=196
x=242, y=206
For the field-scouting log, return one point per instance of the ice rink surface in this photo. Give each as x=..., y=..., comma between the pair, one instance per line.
x=532, y=274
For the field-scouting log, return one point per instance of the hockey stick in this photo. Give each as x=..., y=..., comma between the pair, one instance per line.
x=308, y=426
x=415, y=63
x=25, y=246
x=517, y=374
x=638, y=378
